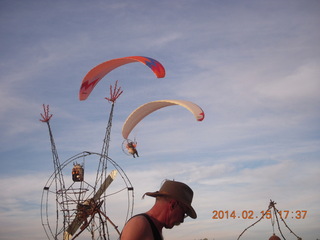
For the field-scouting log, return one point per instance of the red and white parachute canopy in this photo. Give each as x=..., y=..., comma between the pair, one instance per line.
x=97, y=73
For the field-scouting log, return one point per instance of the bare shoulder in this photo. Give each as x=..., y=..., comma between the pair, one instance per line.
x=138, y=220
x=137, y=228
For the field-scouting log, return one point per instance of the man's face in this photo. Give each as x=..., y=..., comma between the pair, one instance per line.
x=176, y=215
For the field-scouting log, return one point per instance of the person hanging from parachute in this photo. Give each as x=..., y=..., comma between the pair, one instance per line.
x=144, y=110
x=132, y=148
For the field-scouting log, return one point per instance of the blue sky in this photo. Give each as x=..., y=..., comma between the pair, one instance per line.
x=253, y=66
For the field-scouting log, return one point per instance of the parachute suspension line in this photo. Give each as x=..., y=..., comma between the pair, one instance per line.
x=276, y=212
x=59, y=180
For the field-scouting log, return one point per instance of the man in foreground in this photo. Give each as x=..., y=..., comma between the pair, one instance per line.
x=172, y=205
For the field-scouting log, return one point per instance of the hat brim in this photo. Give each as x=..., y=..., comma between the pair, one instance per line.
x=189, y=209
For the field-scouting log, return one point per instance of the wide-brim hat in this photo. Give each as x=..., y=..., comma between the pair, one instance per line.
x=178, y=191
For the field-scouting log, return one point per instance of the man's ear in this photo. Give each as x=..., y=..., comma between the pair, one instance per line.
x=173, y=203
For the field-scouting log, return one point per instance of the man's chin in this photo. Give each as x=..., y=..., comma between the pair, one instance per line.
x=171, y=226
x=168, y=227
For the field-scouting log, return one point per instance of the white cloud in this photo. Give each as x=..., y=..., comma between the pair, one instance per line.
x=299, y=86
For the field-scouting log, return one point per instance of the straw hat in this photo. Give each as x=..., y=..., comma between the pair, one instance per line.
x=178, y=191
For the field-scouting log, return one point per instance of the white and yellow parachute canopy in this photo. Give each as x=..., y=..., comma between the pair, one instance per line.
x=144, y=110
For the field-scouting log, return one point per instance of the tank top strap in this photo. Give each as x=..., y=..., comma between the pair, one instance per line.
x=156, y=233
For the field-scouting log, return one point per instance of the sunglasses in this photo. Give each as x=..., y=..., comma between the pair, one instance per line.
x=183, y=209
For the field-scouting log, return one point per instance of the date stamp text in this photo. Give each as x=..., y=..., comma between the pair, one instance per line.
x=250, y=214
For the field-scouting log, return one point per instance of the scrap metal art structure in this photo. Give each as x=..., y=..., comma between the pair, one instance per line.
x=274, y=218
x=77, y=198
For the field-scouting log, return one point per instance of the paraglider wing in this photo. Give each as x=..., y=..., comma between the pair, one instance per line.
x=97, y=73
x=141, y=112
